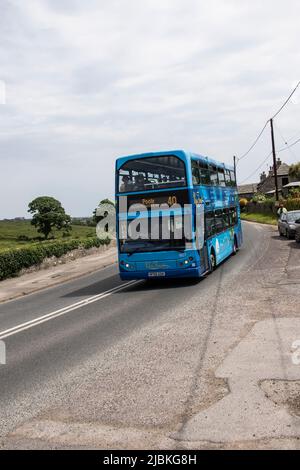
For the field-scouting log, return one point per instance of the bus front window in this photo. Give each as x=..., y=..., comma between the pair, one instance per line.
x=155, y=234
x=150, y=173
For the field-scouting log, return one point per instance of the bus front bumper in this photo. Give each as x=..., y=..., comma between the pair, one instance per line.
x=170, y=273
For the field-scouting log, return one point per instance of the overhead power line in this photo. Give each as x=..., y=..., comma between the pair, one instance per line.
x=262, y=131
x=254, y=143
x=280, y=133
x=265, y=160
x=294, y=136
x=286, y=101
x=289, y=146
x=258, y=168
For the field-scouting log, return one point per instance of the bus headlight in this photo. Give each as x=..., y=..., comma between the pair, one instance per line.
x=185, y=263
x=127, y=266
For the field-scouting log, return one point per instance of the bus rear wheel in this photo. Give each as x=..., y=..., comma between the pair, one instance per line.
x=212, y=261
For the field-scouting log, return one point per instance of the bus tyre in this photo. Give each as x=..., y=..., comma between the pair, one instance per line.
x=212, y=261
x=234, y=247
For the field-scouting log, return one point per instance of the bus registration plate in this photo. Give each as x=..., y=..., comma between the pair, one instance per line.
x=156, y=274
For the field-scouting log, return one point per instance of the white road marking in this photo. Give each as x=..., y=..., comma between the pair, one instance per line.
x=62, y=311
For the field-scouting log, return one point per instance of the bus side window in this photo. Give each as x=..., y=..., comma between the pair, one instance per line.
x=213, y=175
x=221, y=176
x=204, y=173
x=219, y=221
x=235, y=217
x=226, y=219
x=231, y=223
x=227, y=178
x=209, y=224
x=195, y=173
x=233, y=182
x=232, y=216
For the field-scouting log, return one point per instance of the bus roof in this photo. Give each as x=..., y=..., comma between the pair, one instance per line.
x=183, y=154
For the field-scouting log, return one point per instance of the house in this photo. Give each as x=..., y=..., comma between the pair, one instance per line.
x=267, y=182
x=293, y=185
x=247, y=191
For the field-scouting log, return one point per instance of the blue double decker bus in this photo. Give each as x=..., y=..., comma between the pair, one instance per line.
x=177, y=214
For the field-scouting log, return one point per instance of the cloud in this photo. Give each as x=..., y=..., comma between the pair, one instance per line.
x=86, y=82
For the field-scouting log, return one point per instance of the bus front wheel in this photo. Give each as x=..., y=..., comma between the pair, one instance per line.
x=235, y=246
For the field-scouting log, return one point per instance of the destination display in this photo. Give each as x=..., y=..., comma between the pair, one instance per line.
x=149, y=199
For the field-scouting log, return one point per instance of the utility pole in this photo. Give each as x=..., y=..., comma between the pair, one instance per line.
x=274, y=160
x=234, y=164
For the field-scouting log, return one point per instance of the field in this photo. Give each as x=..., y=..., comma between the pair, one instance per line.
x=12, y=231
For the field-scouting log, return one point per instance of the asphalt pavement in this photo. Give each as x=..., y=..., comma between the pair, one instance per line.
x=101, y=363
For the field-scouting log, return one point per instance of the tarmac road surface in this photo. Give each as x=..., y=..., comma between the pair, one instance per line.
x=101, y=363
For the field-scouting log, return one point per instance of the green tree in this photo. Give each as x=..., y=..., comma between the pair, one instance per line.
x=48, y=213
x=294, y=171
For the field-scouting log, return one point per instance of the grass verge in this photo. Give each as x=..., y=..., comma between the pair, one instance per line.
x=260, y=218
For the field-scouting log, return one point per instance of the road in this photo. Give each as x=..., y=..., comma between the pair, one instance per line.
x=175, y=365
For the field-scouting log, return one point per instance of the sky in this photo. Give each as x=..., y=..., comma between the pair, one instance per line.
x=82, y=83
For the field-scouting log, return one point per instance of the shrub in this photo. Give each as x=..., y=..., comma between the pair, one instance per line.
x=243, y=203
x=294, y=170
x=11, y=262
x=259, y=198
x=294, y=193
x=270, y=206
x=23, y=238
x=292, y=204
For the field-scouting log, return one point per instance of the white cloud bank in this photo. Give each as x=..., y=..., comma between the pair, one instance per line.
x=88, y=81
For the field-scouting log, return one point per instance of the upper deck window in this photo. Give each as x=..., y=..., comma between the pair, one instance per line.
x=213, y=175
x=195, y=172
x=204, y=173
x=221, y=176
x=150, y=173
x=233, y=181
x=200, y=173
x=227, y=178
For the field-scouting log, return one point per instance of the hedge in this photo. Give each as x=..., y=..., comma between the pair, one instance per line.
x=268, y=207
x=12, y=261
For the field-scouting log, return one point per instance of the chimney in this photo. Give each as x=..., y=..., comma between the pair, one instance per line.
x=263, y=177
x=271, y=171
x=278, y=163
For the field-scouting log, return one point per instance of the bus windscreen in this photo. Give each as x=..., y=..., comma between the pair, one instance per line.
x=152, y=173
